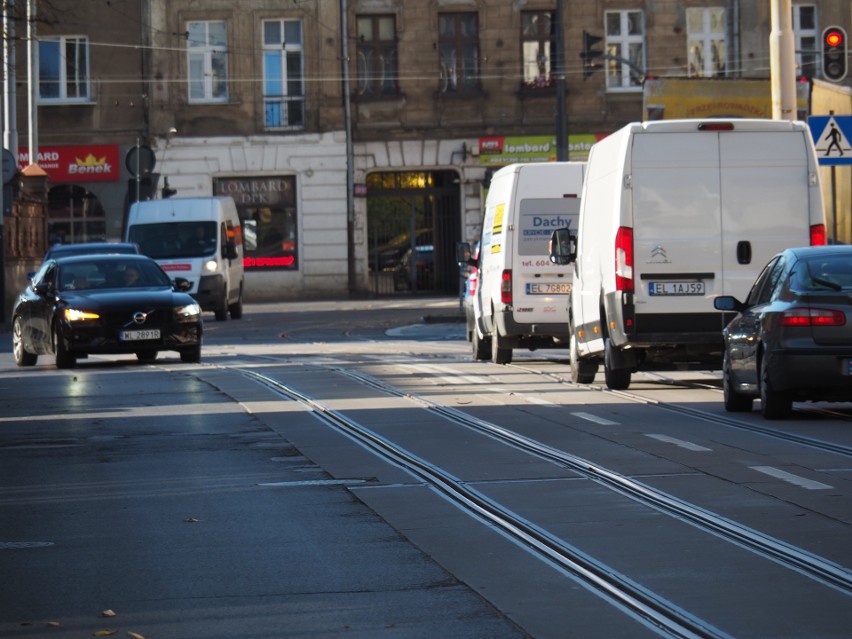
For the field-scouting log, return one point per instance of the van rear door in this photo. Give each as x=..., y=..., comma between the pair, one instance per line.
x=541, y=288
x=675, y=185
x=765, y=201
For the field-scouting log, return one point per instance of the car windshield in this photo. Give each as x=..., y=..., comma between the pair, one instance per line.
x=175, y=239
x=88, y=275
x=823, y=273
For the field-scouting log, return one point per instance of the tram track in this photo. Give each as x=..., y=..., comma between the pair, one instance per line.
x=643, y=604
x=742, y=425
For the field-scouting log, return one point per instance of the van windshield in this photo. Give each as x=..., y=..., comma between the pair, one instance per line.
x=175, y=239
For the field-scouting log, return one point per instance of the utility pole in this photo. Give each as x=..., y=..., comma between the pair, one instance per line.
x=782, y=61
x=559, y=72
x=350, y=153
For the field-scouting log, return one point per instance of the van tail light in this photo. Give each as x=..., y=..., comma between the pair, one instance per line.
x=803, y=317
x=506, y=287
x=818, y=237
x=471, y=281
x=624, y=259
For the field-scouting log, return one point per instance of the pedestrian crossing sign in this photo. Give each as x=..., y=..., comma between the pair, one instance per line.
x=832, y=135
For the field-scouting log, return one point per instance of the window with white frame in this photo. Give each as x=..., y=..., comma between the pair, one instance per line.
x=806, y=40
x=63, y=69
x=625, y=48
x=707, y=55
x=207, y=61
x=283, y=74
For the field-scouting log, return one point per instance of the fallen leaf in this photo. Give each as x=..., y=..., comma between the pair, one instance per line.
x=108, y=613
x=135, y=635
x=104, y=633
x=191, y=520
x=53, y=624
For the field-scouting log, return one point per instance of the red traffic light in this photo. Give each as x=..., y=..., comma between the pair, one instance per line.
x=834, y=38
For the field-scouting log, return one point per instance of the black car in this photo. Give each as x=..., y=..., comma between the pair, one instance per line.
x=107, y=304
x=792, y=338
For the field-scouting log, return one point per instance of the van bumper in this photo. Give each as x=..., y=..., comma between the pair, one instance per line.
x=211, y=292
x=538, y=334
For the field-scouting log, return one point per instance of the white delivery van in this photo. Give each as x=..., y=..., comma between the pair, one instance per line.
x=199, y=239
x=521, y=296
x=674, y=213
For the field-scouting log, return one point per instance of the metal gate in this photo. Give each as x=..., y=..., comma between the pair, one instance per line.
x=413, y=226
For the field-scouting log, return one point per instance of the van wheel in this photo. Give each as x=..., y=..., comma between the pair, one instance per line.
x=236, y=309
x=499, y=353
x=616, y=378
x=191, y=355
x=734, y=402
x=222, y=312
x=481, y=346
x=582, y=372
x=773, y=405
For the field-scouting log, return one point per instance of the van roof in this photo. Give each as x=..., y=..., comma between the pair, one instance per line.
x=737, y=124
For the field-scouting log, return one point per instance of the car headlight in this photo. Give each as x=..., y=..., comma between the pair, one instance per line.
x=189, y=311
x=211, y=266
x=78, y=315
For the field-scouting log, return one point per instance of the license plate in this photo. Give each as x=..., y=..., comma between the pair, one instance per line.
x=139, y=335
x=540, y=288
x=676, y=288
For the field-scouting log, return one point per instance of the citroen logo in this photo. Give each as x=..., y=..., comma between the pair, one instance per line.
x=658, y=251
x=139, y=317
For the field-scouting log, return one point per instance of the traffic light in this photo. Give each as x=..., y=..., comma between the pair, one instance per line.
x=834, y=51
x=589, y=55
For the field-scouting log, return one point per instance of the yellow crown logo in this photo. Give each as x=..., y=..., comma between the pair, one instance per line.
x=91, y=160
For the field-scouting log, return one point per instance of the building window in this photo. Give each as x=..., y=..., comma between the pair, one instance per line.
x=625, y=47
x=706, y=42
x=207, y=61
x=537, y=46
x=377, y=59
x=63, y=67
x=283, y=74
x=458, y=42
x=267, y=210
x=806, y=38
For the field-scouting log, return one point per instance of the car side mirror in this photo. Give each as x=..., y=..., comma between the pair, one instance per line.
x=563, y=247
x=42, y=288
x=181, y=284
x=463, y=255
x=728, y=303
x=230, y=250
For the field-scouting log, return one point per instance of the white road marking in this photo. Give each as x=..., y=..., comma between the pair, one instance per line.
x=595, y=419
x=783, y=475
x=679, y=442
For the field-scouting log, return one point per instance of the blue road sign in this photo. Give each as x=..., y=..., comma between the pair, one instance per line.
x=832, y=135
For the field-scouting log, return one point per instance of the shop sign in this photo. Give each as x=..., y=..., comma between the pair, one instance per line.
x=83, y=163
x=503, y=150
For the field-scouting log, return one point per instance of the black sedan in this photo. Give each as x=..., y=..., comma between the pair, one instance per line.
x=107, y=304
x=792, y=338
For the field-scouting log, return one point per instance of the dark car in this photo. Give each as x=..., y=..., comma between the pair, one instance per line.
x=419, y=264
x=106, y=304
x=792, y=338
x=88, y=248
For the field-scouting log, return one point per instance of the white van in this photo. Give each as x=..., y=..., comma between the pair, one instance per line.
x=199, y=239
x=674, y=213
x=521, y=296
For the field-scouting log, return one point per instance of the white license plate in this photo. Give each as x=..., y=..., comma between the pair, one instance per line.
x=676, y=288
x=539, y=288
x=135, y=336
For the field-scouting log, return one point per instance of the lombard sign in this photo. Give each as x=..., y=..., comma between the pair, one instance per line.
x=503, y=150
x=85, y=163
